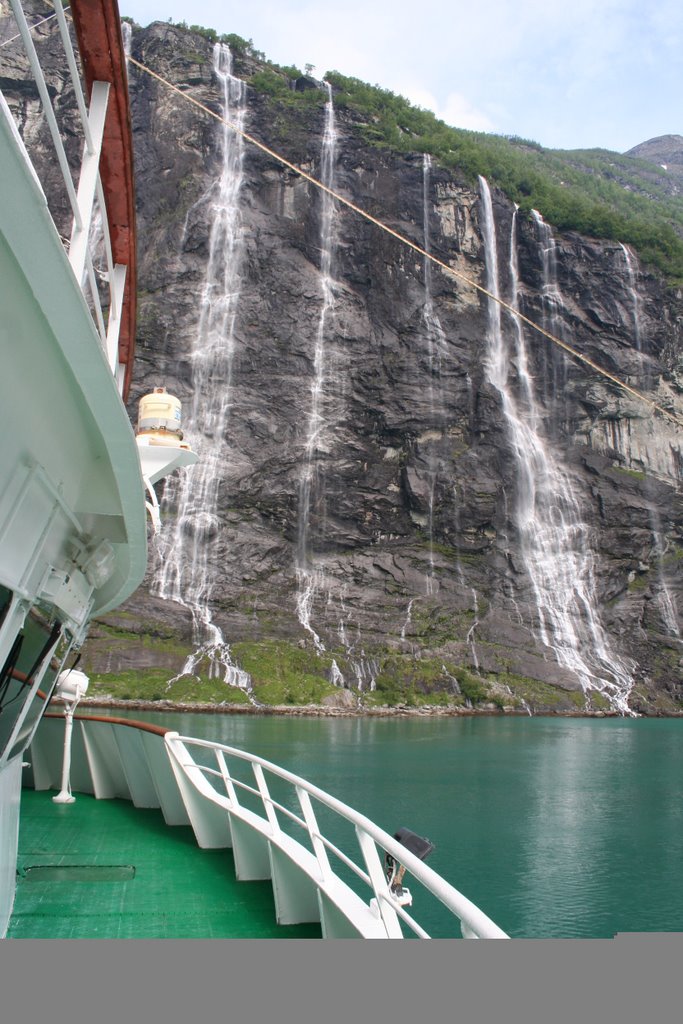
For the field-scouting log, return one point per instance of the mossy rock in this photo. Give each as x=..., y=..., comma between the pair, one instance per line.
x=154, y=685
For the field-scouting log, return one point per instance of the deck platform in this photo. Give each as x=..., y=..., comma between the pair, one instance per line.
x=106, y=869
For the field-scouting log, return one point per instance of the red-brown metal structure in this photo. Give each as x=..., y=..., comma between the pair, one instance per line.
x=98, y=31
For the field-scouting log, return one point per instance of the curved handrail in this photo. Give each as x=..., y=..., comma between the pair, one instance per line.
x=474, y=923
x=157, y=730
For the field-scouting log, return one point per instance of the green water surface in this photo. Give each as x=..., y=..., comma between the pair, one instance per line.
x=562, y=828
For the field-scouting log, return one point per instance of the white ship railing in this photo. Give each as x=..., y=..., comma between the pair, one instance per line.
x=83, y=186
x=251, y=812
x=324, y=859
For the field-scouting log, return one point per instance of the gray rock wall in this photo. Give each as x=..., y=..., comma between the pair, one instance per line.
x=414, y=485
x=418, y=566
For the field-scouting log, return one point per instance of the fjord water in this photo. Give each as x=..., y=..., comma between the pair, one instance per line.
x=556, y=828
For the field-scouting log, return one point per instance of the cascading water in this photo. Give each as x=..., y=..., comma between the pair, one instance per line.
x=96, y=248
x=663, y=597
x=665, y=601
x=436, y=336
x=408, y=620
x=554, y=541
x=309, y=579
x=635, y=297
x=363, y=668
x=473, y=628
x=554, y=377
x=436, y=348
x=186, y=570
x=127, y=36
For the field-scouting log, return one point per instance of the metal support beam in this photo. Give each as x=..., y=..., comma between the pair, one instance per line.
x=117, y=285
x=295, y=894
x=78, y=248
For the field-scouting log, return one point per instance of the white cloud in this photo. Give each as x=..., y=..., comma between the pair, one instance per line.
x=459, y=112
x=456, y=110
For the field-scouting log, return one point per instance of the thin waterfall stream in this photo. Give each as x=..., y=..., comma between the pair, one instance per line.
x=663, y=595
x=186, y=571
x=554, y=539
x=436, y=348
x=633, y=292
x=309, y=579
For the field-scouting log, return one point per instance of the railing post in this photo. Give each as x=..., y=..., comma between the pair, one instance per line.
x=314, y=833
x=467, y=932
x=209, y=821
x=379, y=884
x=266, y=797
x=230, y=790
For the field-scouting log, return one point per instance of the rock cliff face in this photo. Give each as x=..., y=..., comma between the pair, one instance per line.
x=408, y=489
x=666, y=152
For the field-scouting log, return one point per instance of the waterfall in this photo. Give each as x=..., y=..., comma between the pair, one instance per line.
x=336, y=675
x=436, y=347
x=550, y=292
x=308, y=578
x=635, y=297
x=127, y=36
x=187, y=569
x=96, y=249
x=664, y=599
x=436, y=337
x=554, y=540
x=363, y=668
x=471, y=631
x=366, y=669
x=408, y=618
x=553, y=307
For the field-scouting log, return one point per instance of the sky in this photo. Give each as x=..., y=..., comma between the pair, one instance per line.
x=568, y=74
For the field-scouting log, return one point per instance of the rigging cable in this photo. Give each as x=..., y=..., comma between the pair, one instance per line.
x=569, y=349
x=35, y=25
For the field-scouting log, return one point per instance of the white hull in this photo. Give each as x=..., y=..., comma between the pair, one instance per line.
x=10, y=794
x=73, y=531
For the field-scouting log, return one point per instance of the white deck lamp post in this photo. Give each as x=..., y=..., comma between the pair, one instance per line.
x=71, y=686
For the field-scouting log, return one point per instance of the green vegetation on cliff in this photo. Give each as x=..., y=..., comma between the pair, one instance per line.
x=598, y=193
x=283, y=673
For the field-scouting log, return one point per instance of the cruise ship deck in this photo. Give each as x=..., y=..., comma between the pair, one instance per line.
x=104, y=869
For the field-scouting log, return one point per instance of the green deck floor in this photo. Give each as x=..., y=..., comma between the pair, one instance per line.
x=176, y=891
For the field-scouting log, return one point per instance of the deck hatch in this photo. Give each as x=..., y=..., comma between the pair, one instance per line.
x=79, y=873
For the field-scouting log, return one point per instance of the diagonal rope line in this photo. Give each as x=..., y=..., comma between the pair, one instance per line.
x=574, y=353
x=36, y=25
x=569, y=349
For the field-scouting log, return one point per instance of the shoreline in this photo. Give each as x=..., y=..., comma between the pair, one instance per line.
x=323, y=711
